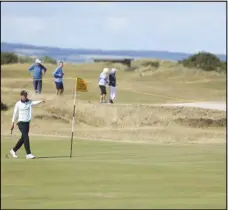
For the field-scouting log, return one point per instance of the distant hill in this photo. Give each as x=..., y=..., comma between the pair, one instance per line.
x=86, y=55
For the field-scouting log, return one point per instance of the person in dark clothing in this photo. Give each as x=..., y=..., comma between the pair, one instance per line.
x=112, y=85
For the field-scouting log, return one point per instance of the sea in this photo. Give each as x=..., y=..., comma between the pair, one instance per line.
x=88, y=55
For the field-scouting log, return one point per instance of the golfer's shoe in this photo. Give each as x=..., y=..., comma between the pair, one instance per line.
x=30, y=156
x=13, y=154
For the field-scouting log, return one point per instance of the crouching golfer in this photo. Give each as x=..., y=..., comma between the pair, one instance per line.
x=58, y=75
x=103, y=81
x=23, y=110
x=112, y=85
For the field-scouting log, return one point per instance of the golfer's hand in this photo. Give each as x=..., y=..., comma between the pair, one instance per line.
x=12, y=127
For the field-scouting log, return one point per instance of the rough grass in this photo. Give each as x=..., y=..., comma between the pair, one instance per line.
x=104, y=174
x=133, y=122
x=126, y=120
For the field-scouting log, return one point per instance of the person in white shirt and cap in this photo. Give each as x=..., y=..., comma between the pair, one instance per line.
x=23, y=110
x=103, y=81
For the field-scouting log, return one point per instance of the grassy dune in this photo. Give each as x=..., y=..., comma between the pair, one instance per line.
x=167, y=84
x=178, y=161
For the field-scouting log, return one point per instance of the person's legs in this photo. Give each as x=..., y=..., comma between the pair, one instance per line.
x=101, y=98
x=110, y=93
x=101, y=94
x=39, y=86
x=24, y=128
x=35, y=83
x=26, y=139
x=113, y=93
x=21, y=140
x=61, y=88
x=104, y=94
x=19, y=144
x=57, y=88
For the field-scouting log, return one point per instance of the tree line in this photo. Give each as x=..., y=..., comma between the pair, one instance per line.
x=11, y=58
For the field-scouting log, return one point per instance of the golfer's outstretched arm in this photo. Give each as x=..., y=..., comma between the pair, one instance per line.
x=36, y=102
x=15, y=113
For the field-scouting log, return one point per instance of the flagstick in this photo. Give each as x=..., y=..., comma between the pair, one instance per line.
x=73, y=89
x=72, y=133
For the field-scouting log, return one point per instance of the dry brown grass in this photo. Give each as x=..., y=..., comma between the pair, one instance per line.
x=169, y=83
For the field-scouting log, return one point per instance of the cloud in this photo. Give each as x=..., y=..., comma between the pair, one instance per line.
x=152, y=25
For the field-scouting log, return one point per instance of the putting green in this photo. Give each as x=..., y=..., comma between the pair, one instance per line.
x=114, y=175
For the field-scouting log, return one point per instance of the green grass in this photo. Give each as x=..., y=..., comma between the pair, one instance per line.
x=170, y=83
x=114, y=175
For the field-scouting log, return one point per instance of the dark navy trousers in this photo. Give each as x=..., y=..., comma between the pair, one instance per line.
x=24, y=129
x=37, y=83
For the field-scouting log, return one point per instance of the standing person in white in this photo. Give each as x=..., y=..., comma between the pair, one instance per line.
x=23, y=110
x=112, y=85
x=103, y=81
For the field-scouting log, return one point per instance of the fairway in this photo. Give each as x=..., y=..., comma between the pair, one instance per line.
x=114, y=175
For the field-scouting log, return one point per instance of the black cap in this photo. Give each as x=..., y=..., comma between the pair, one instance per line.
x=23, y=93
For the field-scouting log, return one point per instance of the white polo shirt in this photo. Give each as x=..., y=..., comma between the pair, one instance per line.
x=23, y=110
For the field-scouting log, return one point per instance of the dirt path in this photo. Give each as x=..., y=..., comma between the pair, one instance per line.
x=220, y=106
x=204, y=105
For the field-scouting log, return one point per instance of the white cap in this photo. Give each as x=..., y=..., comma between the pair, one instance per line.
x=37, y=61
x=105, y=70
x=113, y=70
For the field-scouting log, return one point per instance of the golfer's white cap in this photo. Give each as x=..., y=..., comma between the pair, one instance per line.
x=37, y=61
x=105, y=70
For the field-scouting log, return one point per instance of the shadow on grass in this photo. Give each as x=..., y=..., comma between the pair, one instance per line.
x=49, y=157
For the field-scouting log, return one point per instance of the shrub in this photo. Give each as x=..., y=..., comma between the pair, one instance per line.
x=154, y=64
x=25, y=59
x=8, y=58
x=4, y=107
x=48, y=59
x=204, y=60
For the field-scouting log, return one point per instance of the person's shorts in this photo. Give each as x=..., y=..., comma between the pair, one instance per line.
x=103, y=89
x=59, y=85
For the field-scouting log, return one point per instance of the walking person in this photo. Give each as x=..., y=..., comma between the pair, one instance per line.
x=58, y=78
x=37, y=69
x=103, y=81
x=112, y=85
x=23, y=110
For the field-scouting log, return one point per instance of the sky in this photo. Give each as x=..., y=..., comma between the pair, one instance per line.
x=165, y=26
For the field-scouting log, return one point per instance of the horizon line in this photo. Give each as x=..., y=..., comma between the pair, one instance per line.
x=166, y=51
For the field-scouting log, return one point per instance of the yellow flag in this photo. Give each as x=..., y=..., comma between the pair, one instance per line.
x=81, y=85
